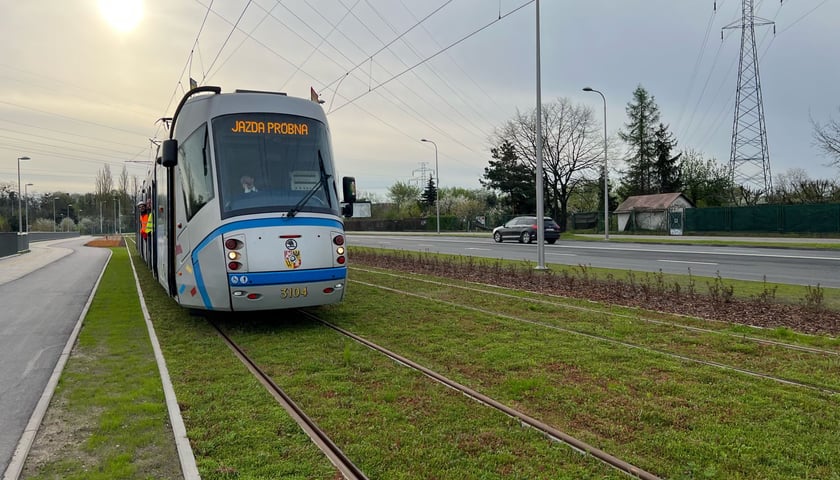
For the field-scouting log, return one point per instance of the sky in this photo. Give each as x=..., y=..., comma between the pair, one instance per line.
x=79, y=91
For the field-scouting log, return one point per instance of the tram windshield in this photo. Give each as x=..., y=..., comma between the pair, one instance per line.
x=273, y=163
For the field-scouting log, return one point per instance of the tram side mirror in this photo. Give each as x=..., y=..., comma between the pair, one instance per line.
x=348, y=186
x=169, y=153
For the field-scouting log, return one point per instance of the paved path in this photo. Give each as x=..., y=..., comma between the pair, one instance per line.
x=42, y=296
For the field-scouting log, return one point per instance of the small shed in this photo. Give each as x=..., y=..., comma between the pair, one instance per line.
x=651, y=212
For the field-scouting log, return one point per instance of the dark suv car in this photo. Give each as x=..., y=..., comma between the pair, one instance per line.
x=524, y=229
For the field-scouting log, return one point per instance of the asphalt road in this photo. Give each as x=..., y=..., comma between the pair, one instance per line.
x=776, y=265
x=38, y=311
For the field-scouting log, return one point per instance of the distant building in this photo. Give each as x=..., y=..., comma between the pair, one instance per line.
x=651, y=212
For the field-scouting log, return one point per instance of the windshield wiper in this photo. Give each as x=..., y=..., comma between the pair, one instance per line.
x=322, y=182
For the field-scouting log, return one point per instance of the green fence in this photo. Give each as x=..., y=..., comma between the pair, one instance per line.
x=818, y=218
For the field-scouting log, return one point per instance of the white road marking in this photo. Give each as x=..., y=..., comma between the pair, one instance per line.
x=685, y=261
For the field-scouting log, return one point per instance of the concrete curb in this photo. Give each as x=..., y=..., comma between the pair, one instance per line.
x=182, y=442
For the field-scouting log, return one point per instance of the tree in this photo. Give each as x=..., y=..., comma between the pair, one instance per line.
x=571, y=149
x=827, y=138
x=512, y=177
x=430, y=194
x=404, y=197
x=666, y=169
x=795, y=187
x=643, y=114
x=705, y=182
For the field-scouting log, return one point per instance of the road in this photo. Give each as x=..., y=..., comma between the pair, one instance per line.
x=776, y=265
x=42, y=294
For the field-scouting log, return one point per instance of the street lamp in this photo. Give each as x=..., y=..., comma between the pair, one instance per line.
x=437, y=183
x=20, y=220
x=606, y=184
x=54, y=214
x=26, y=194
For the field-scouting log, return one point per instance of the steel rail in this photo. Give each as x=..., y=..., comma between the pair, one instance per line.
x=546, y=429
x=337, y=457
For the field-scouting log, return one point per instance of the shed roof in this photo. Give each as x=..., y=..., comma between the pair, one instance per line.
x=657, y=201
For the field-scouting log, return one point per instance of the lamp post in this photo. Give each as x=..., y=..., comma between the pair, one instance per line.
x=115, y=215
x=437, y=182
x=26, y=194
x=539, y=146
x=101, y=231
x=54, y=214
x=20, y=220
x=606, y=184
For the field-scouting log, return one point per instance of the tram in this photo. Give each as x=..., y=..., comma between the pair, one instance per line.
x=243, y=206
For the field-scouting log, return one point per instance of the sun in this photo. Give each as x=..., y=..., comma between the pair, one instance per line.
x=122, y=15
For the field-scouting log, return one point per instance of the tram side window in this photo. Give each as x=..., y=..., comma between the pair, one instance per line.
x=196, y=174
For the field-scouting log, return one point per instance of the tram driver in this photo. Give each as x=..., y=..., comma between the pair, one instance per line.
x=247, y=182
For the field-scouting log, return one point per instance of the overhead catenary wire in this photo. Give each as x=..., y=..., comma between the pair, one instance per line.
x=227, y=39
x=455, y=140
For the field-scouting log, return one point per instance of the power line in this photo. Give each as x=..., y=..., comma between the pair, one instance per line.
x=224, y=44
x=457, y=42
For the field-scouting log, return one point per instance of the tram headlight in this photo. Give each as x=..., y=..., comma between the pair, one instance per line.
x=234, y=265
x=339, y=250
x=338, y=239
x=233, y=255
x=340, y=260
x=233, y=244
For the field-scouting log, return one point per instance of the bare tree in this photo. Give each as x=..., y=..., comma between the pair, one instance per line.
x=795, y=186
x=104, y=182
x=123, y=182
x=827, y=138
x=572, y=149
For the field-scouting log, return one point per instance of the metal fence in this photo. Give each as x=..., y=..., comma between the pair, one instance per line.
x=817, y=218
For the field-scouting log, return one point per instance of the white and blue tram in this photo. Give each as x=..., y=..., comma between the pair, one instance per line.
x=245, y=213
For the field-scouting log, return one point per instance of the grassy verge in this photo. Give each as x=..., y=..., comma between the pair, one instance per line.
x=675, y=418
x=813, y=295
x=236, y=429
x=108, y=418
x=670, y=416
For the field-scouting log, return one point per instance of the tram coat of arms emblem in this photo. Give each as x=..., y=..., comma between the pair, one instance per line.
x=292, y=258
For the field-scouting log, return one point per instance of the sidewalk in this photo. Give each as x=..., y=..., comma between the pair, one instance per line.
x=40, y=255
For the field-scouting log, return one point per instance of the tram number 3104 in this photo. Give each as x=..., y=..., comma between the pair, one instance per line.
x=293, y=292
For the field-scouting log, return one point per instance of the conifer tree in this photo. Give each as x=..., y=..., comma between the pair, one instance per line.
x=429, y=194
x=643, y=115
x=666, y=168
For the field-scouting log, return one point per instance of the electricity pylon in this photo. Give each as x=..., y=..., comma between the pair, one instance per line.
x=749, y=159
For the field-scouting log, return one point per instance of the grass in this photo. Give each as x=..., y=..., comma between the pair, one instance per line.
x=717, y=342
x=107, y=418
x=557, y=359
x=671, y=417
x=743, y=289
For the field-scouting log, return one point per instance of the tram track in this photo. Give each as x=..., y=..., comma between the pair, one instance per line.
x=343, y=463
x=601, y=338
x=525, y=419
x=318, y=436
